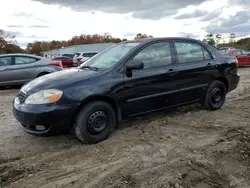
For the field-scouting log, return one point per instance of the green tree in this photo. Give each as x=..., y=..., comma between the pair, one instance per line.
x=209, y=39
x=218, y=38
x=141, y=36
x=7, y=43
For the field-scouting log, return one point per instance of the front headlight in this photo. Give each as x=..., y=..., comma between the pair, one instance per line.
x=44, y=97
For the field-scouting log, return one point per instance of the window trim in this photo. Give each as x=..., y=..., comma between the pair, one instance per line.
x=192, y=42
x=147, y=45
x=14, y=59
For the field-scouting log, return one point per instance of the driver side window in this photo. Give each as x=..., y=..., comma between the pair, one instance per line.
x=155, y=55
x=5, y=61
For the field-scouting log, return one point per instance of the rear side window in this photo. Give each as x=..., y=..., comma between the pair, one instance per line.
x=4, y=61
x=245, y=52
x=191, y=52
x=24, y=60
x=237, y=52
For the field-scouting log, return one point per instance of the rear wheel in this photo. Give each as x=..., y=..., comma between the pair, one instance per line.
x=215, y=96
x=95, y=122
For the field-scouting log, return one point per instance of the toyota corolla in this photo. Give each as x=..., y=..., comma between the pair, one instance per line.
x=125, y=80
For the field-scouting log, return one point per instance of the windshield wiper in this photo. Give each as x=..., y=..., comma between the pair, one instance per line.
x=89, y=67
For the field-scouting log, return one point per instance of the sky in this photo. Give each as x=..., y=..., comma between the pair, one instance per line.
x=46, y=20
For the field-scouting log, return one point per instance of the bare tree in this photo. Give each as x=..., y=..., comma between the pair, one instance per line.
x=232, y=37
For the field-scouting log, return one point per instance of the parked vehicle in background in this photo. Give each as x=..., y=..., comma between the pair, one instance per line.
x=243, y=56
x=68, y=55
x=226, y=48
x=79, y=58
x=17, y=69
x=66, y=61
x=125, y=80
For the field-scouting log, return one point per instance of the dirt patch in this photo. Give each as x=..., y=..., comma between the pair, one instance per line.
x=199, y=175
x=6, y=160
x=179, y=148
x=241, y=150
x=11, y=173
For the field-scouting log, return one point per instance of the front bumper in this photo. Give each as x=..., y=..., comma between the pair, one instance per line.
x=32, y=117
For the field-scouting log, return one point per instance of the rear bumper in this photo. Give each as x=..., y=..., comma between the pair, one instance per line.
x=233, y=82
x=49, y=116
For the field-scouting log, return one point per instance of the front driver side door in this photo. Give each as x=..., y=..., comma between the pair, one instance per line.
x=153, y=87
x=24, y=68
x=6, y=62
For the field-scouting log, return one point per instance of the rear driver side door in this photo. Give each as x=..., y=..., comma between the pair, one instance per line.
x=195, y=67
x=246, y=55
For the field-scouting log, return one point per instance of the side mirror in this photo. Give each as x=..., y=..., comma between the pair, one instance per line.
x=134, y=65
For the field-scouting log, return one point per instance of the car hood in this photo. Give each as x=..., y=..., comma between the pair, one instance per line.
x=58, y=79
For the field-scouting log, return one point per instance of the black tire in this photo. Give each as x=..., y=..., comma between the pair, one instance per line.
x=215, y=96
x=95, y=122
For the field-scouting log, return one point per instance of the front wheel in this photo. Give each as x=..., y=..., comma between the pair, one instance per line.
x=215, y=96
x=95, y=122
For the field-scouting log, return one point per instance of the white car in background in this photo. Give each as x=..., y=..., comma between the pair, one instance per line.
x=81, y=57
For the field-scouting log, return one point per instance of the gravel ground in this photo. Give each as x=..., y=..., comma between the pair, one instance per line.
x=180, y=148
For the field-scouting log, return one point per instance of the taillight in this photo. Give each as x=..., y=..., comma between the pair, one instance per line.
x=79, y=59
x=57, y=63
x=237, y=63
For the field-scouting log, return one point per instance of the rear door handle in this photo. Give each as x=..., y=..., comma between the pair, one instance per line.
x=171, y=70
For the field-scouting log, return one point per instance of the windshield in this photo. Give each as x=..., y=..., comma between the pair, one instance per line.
x=110, y=56
x=77, y=55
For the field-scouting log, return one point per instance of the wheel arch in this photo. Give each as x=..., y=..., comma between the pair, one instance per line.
x=224, y=81
x=90, y=99
x=42, y=73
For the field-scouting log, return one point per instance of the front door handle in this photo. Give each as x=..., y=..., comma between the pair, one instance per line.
x=209, y=65
x=172, y=72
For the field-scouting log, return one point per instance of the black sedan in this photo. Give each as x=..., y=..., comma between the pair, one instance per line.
x=127, y=79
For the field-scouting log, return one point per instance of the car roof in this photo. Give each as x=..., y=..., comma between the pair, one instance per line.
x=85, y=52
x=146, y=40
x=18, y=54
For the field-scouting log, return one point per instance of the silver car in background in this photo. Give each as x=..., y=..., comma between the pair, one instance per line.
x=81, y=57
x=17, y=69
